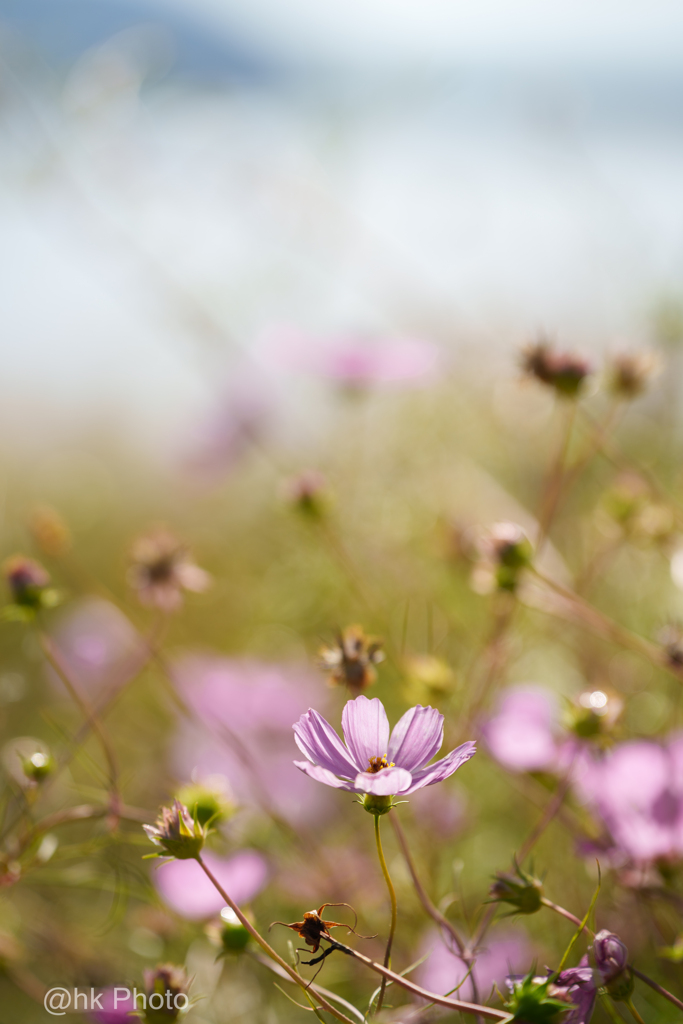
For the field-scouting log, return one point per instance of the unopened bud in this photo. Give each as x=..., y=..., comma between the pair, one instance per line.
x=520, y=890
x=610, y=957
x=629, y=373
x=563, y=371
x=166, y=988
x=29, y=586
x=209, y=802
x=176, y=833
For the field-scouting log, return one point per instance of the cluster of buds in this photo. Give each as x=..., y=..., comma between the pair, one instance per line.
x=351, y=659
x=166, y=988
x=609, y=956
x=29, y=587
x=629, y=373
x=521, y=891
x=176, y=833
x=504, y=552
x=563, y=371
x=594, y=714
x=308, y=494
x=161, y=568
x=210, y=802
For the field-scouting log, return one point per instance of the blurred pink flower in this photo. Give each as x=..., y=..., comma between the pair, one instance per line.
x=352, y=359
x=521, y=735
x=506, y=951
x=185, y=888
x=637, y=790
x=238, y=420
x=244, y=711
x=96, y=644
x=116, y=1007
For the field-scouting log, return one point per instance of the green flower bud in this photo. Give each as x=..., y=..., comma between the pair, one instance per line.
x=532, y=1001
x=177, y=833
x=377, y=805
x=207, y=801
x=232, y=933
x=522, y=891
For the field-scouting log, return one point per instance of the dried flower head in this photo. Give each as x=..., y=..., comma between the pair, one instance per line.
x=563, y=371
x=166, y=988
x=29, y=586
x=177, y=833
x=161, y=568
x=629, y=373
x=313, y=928
x=352, y=659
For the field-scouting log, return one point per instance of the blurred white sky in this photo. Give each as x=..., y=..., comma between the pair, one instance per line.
x=387, y=31
x=154, y=229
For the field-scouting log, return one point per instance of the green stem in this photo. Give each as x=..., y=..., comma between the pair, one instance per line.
x=636, y=1016
x=394, y=910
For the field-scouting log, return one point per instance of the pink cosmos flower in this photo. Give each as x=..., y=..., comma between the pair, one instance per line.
x=185, y=888
x=96, y=644
x=507, y=949
x=372, y=761
x=353, y=360
x=637, y=789
x=521, y=734
x=243, y=711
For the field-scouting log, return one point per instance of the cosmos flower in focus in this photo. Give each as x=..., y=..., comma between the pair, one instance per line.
x=354, y=361
x=161, y=568
x=186, y=889
x=373, y=762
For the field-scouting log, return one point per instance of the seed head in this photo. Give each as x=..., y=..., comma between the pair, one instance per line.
x=161, y=568
x=629, y=373
x=351, y=659
x=563, y=371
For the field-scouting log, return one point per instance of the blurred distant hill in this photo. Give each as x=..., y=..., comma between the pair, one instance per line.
x=62, y=29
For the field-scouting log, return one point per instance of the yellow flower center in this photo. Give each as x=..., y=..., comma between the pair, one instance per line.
x=377, y=763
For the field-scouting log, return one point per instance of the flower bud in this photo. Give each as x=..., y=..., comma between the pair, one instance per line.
x=28, y=760
x=166, y=989
x=520, y=890
x=535, y=1000
x=377, y=805
x=29, y=586
x=610, y=957
x=209, y=801
x=229, y=933
x=504, y=552
x=308, y=494
x=563, y=371
x=594, y=715
x=177, y=833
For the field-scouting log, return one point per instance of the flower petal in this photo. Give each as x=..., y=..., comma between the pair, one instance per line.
x=314, y=771
x=388, y=782
x=185, y=887
x=417, y=736
x=442, y=769
x=319, y=742
x=366, y=730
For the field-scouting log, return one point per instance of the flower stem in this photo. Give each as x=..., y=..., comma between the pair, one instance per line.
x=265, y=946
x=394, y=909
x=658, y=988
x=636, y=1016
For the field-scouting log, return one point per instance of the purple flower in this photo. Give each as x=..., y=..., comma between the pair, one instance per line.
x=97, y=646
x=637, y=789
x=185, y=888
x=521, y=734
x=371, y=761
x=243, y=711
x=116, y=1007
x=505, y=950
x=353, y=360
x=577, y=985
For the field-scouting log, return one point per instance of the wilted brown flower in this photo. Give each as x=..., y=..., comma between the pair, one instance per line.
x=313, y=928
x=563, y=371
x=629, y=373
x=352, y=658
x=161, y=568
